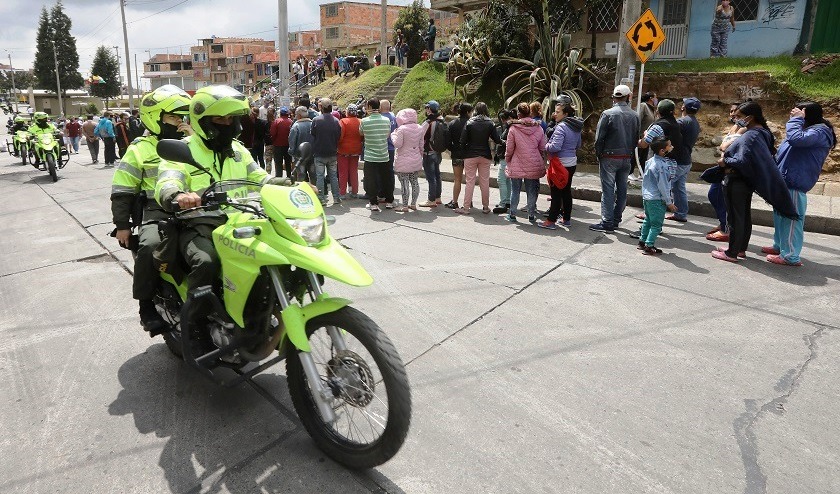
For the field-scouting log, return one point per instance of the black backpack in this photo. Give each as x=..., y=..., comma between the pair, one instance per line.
x=439, y=138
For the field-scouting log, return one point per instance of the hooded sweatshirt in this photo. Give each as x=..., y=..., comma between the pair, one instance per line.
x=803, y=153
x=408, y=141
x=566, y=140
x=525, y=143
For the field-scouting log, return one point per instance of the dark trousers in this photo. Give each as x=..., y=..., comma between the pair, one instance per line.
x=93, y=147
x=561, y=199
x=258, y=153
x=145, y=275
x=282, y=161
x=110, y=150
x=738, y=194
x=390, y=180
x=376, y=181
x=717, y=201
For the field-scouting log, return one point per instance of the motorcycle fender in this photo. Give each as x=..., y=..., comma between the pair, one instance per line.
x=295, y=318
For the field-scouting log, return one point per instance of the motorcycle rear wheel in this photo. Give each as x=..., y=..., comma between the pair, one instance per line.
x=51, y=166
x=371, y=362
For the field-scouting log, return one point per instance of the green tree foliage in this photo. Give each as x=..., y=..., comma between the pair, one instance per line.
x=413, y=20
x=106, y=66
x=23, y=80
x=54, y=36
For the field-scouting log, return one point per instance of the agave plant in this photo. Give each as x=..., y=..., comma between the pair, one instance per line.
x=557, y=70
x=470, y=59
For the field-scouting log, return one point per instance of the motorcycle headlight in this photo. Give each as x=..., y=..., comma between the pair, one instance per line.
x=312, y=231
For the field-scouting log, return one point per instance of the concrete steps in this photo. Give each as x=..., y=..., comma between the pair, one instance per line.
x=389, y=91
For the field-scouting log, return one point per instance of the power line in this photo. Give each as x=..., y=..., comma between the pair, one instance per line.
x=158, y=12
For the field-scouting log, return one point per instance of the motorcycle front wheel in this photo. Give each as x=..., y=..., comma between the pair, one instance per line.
x=51, y=167
x=371, y=395
x=24, y=152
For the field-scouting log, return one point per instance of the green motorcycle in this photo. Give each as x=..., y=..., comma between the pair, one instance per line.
x=347, y=382
x=48, y=151
x=20, y=144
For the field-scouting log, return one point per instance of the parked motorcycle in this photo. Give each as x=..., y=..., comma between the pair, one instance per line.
x=48, y=151
x=347, y=382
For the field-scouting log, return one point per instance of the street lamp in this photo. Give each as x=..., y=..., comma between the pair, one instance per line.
x=14, y=90
x=57, y=80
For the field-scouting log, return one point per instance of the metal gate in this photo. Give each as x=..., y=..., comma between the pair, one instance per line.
x=674, y=20
x=826, y=36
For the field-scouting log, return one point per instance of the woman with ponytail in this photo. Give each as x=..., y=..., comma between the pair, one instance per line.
x=750, y=167
x=809, y=138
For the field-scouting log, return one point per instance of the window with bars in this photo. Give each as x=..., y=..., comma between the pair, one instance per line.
x=330, y=10
x=332, y=33
x=604, y=18
x=746, y=10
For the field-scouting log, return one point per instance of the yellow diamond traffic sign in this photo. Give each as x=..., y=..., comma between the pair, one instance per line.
x=645, y=36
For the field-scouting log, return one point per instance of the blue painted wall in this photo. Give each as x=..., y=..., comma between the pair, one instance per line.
x=775, y=32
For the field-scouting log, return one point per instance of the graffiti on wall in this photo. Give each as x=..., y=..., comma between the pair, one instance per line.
x=778, y=12
x=750, y=92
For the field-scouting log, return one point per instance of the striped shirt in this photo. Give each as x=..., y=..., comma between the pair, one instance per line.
x=376, y=129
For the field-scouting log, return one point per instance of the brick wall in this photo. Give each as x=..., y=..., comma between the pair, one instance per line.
x=724, y=87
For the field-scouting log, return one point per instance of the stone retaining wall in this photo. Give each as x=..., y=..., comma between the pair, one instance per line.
x=724, y=87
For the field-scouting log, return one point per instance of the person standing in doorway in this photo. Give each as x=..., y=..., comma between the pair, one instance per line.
x=724, y=18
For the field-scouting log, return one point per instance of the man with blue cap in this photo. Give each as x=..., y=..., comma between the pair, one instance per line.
x=690, y=131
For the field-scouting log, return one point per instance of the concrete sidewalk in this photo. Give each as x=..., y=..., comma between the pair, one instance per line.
x=823, y=211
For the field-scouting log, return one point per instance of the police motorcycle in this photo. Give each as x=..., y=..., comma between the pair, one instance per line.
x=346, y=380
x=47, y=149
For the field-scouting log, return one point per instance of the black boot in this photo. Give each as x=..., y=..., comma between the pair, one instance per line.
x=501, y=208
x=150, y=319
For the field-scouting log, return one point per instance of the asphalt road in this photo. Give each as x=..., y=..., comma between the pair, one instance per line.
x=540, y=361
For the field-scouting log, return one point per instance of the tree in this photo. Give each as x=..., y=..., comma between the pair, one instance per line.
x=106, y=66
x=23, y=80
x=413, y=21
x=54, y=42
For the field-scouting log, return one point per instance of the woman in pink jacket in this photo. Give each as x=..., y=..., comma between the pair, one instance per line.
x=525, y=161
x=408, y=161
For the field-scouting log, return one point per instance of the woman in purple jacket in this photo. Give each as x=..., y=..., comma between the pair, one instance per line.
x=809, y=139
x=564, y=144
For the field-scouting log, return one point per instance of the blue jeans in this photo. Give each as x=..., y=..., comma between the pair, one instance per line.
x=504, y=185
x=719, y=203
x=790, y=234
x=614, y=174
x=679, y=192
x=326, y=166
x=431, y=167
x=532, y=191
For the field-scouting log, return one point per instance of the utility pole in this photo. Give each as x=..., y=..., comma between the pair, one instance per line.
x=630, y=11
x=137, y=74
x=127, y=58
x=58, y=80
x=14, y=91
x=283, y=47
x=383, y=45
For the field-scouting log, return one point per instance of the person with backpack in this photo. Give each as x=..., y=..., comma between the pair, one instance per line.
x=436, y=137
x=475, y=145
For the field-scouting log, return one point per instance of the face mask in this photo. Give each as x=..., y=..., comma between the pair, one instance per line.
x=224, y=135
x=169, y=131
x=740, y=122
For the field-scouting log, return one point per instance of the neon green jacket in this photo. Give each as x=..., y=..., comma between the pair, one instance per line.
x=36, y=129
x=174, y=178
x=136, y=173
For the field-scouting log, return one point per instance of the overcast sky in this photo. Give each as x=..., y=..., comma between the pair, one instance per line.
x=98, y=22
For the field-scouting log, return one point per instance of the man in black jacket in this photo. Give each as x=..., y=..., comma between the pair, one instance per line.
x=326, y=132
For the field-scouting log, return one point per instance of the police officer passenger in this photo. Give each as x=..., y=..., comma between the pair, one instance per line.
x=161, y=112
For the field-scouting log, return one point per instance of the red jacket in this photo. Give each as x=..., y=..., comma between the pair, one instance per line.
x=280, y=128
x=350, y=142
x=74, y=129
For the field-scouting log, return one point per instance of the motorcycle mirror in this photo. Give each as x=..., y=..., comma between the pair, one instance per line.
x=330, y=219
x=177, y=150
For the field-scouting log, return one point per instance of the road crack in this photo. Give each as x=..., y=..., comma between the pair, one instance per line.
x=756, y=479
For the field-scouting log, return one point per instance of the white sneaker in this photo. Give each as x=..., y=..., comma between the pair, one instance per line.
x=389, y=205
